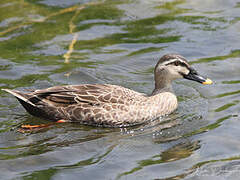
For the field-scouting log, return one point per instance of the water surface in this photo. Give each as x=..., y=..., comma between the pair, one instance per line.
x=55, y=42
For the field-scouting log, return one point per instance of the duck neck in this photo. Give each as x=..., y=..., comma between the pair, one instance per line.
x=162, y=85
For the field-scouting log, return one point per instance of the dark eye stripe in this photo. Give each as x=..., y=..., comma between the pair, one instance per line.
x=179, y=63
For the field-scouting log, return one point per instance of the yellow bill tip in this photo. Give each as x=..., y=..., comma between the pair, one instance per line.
x=208, y=81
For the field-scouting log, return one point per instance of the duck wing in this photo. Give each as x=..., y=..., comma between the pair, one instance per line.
x=92, y=94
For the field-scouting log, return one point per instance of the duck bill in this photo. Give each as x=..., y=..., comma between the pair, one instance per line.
x=195, y=77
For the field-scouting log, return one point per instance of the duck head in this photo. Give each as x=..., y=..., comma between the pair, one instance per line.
x=174, y=66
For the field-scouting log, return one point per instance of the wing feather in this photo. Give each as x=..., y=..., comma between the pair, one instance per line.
x=87, y=93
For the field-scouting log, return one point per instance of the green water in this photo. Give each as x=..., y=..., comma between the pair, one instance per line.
x=55, y=42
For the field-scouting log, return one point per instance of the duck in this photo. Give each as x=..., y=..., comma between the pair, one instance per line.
x=110, y=105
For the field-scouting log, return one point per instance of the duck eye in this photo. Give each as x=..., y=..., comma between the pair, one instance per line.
x=176, y=63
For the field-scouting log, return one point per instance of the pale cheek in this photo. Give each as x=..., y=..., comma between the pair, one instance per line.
x=186, y=71
x=174, y=71
x=183, y=70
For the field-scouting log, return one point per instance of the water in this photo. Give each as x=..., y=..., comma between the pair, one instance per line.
x=50, y=42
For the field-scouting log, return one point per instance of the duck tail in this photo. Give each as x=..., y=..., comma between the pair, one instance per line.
x=22, y=97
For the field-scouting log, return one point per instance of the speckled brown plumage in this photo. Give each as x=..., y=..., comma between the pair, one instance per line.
x=105, y=104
